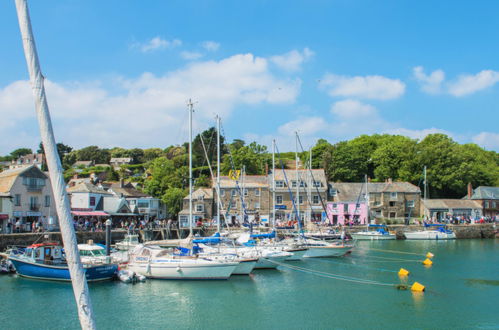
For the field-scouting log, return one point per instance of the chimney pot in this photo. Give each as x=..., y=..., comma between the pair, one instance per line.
x=470, y=190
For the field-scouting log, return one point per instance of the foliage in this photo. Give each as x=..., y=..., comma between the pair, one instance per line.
x=253, y=157
x=20, y=152
x=173, y=198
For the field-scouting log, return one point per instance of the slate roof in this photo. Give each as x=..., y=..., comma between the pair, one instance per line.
x=451, y=204
x=318, y=174
x=8, y=177
x=206, y=193
x=128, y=190
x=484, y=192
x=250, y=181
x=350, y=191
x=86, y=187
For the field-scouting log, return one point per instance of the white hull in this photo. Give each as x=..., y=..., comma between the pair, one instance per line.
x=372, y=236
x=271, y=262
x=178, y=269
x=297, y=254
x=429, y=235
x=245, y=267
x=327, y=251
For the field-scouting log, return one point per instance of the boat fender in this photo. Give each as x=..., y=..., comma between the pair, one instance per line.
x=403, y=272
x=427, y=262
x=429, y=255
x=179, y=269
x=417, y=287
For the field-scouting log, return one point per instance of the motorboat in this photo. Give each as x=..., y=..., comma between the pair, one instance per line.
x=129, y=242
x=46, y=261
x=160, y=263
x=93, y=254
x=374, y=232
x=431, y=232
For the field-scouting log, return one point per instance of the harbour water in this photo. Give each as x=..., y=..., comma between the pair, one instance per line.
x=462, y=291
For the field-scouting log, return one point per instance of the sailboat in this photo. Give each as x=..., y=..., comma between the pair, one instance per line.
x=180, y=263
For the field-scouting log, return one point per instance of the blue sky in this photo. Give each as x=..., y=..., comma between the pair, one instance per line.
x=119, y=72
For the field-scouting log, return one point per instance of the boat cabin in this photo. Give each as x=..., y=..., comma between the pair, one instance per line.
x=47, y=253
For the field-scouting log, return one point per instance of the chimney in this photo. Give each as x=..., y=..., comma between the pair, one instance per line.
x=470, y=190
x=390, y=180
x=121, y=183
x=266, y=168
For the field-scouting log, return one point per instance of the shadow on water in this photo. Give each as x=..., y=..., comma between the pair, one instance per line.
x=477, y=281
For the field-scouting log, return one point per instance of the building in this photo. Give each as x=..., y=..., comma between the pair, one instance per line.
x=392, y=200
x=348, y=204
x=446, y=209
x=86, y=197
x=117, y=162
x=202, y=207
x=5, y=212
x=249, y=197
x=27, y=160
x=29, y=197
x=83, y=163
x=312, y=199
x=488, y=197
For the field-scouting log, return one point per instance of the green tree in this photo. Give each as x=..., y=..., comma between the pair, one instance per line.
x=394, y=158
x=99, y=156
x=173, y=199
x=152, y=153
x=20, y=152
x=253, y=157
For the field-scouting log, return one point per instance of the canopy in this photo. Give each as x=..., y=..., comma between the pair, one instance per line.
x=90, y=213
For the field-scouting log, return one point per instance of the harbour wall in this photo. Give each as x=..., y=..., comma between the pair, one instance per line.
x=486, y=230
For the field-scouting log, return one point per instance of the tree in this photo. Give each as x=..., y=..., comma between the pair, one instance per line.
x=62, y=150
x=173, y=199
x=210, y=143
x=99, y=156
x=152, y=153
x=394, y=158
x=253, y=157
x=20, y=152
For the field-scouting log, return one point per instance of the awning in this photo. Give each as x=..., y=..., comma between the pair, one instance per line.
x=90, y=213
x=4, y=216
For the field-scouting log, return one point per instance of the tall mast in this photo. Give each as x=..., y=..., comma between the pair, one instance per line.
x=297, y=181
x=273, y=181
x=367, y=201
x=310, y=187
x=191, y=109
x=425, y=184
x=218, y=173
x=78, y=279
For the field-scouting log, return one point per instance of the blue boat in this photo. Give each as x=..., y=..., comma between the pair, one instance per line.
x=46, y=261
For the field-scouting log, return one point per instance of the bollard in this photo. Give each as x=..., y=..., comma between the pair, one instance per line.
x=108, y=237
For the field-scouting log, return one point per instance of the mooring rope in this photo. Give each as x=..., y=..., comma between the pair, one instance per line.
x=390, y=251
x=331, y=275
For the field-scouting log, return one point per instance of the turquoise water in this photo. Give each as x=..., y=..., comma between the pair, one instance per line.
x=462, y=292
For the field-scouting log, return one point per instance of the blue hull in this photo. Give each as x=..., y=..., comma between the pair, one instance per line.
x=61, y=272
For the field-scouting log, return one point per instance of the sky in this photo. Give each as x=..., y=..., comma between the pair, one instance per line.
x=120, y=73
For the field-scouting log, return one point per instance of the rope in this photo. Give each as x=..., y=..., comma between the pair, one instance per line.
x=395, y=259
x=392, y=251
x=331, y=275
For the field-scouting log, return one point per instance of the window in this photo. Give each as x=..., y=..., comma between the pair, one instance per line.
x=334, y=192
x=132, y=202
x=92, y=201
x=293, y=184
x=335, y=206
x=233, y=192
x=17, y=200
x=377, y=203
x=233, y=204
x=278, y=199
x=33, y=203
x=493, y=205
x=393, y=214
x=257, y=192
x=199, y=208
x=392, y=204
x=315, y=199
x=47, y=200
x=357, y=205
x=486, y=204
x=222, y=192
x=317, y=184
x=410, y=203
x=143, y=204
x=245, y=192
x=279, y=184
x=345, y=208
x=257, y=206
x=300, y=199
x=393, y=195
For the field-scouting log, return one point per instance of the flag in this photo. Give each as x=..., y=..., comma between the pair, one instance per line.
x=234, y=175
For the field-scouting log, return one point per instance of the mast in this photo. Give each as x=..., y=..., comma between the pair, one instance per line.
x=425, y=184
x=367, y=201
x=218, y=173
x=273, y=181
x=191, y=109
x=297, y=181
x=78, y=279
x=310, y=187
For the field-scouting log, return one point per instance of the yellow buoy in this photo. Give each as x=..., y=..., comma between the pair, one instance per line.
x=403, y=272
x=417, y=287
x=427, y=262
x=429, y=255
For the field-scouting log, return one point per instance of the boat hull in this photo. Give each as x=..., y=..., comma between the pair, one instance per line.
x=429, y=235
x=61, y=272
x=270, y=262
x=327, y=251
x=177, y=270
x=245, y=267
x=372, y=236
x=298, y=254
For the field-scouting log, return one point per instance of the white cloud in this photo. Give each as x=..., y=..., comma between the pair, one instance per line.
x=156, y=43
x=210, y=46
x=487, y=140
x=469, y=84
x=150, y=110
x=304, y=126
x=292, y=60
x=352, y=109
x=364, y=87
x=186, y=55
x=429, y=83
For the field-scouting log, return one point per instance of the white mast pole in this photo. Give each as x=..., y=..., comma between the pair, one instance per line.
x=273, y=181
x=425, y=186
x=78, y=279
x=367, y=201
x=310, y=187
x=297, y=180
x=191, y=107
x=218, y=173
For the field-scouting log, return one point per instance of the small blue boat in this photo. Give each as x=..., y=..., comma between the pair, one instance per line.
x=46, y=261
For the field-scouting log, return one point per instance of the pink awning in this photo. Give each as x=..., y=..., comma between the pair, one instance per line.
x=90, y=213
